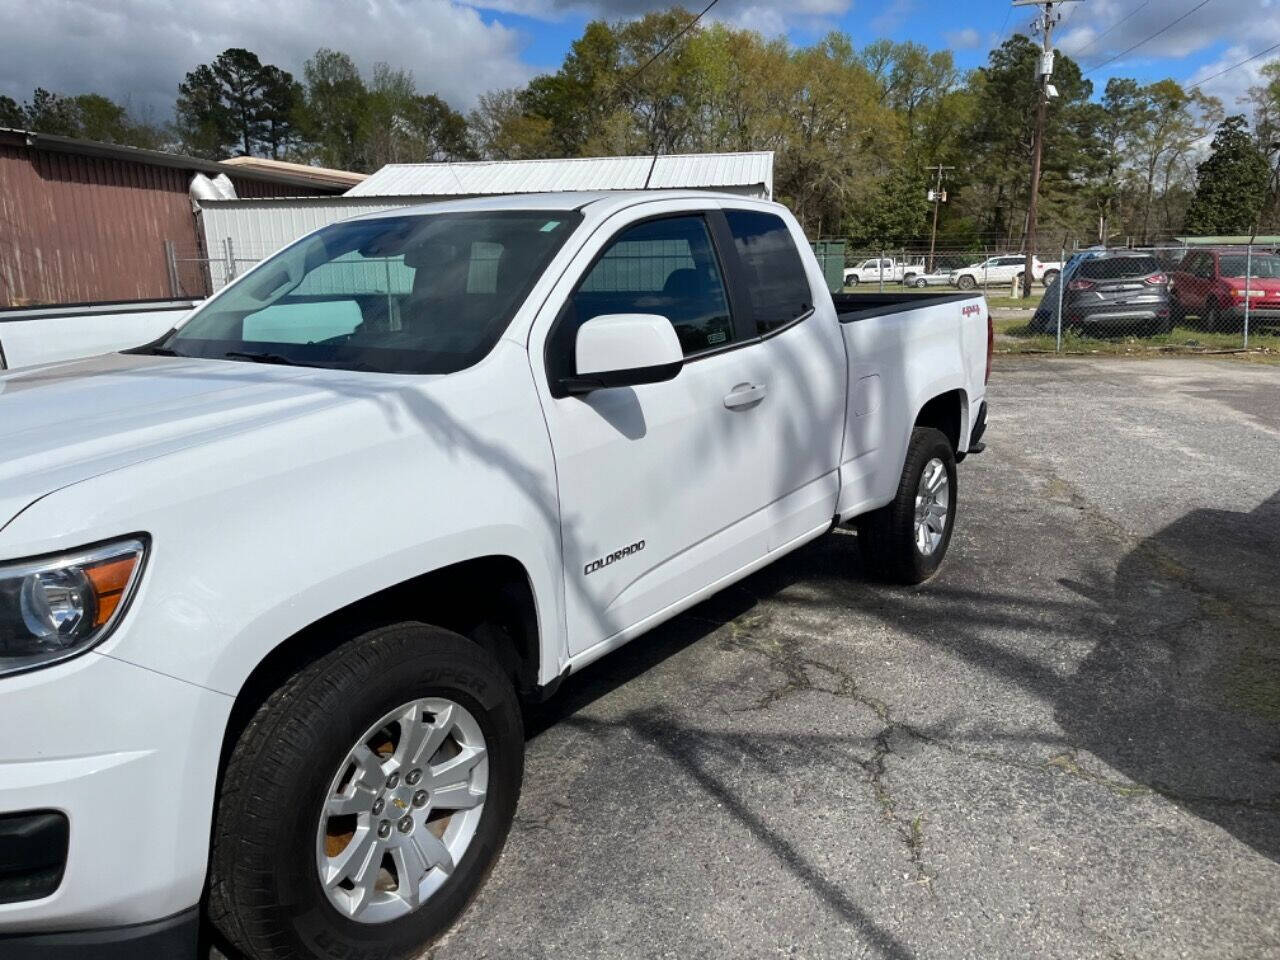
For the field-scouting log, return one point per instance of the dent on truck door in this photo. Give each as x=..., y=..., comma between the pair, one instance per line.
x=660, y=488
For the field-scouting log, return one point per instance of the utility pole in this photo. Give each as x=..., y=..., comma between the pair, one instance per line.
x=938, y=197
x=1044, y=24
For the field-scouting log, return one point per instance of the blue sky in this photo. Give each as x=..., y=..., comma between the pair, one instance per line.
x=138, y=50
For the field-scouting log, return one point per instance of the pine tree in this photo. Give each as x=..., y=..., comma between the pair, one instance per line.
x=1231, y=185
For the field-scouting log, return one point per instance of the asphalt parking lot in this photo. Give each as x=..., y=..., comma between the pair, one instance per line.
x=1067, y=745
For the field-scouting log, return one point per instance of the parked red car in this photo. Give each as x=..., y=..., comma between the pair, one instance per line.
x=1211, y=285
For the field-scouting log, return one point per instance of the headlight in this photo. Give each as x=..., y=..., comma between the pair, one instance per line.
x=56, y=607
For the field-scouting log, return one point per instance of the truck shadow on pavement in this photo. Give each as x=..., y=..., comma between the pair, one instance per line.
x=1181, y=692
x=1176, y=689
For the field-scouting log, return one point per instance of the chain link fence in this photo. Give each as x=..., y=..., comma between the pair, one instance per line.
x=1173, y=297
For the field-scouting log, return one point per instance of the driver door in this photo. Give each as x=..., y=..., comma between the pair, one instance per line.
x=661, y=491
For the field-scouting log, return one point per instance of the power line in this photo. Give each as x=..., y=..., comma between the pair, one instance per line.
x=1263, y=53
x=667, y=46
x=1007, y=13
x=1143, y=42
x=1094, y=42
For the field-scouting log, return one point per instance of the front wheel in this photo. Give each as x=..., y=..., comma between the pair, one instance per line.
x=966, y=282
x=366, y=801
x=851, y=280
x=906, y=540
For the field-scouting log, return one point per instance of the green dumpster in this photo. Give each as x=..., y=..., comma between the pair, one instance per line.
x=830, y=254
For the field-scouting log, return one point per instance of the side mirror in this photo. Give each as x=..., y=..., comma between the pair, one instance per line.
x=624, y=350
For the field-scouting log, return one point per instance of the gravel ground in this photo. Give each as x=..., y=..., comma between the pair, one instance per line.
x=1066, y=745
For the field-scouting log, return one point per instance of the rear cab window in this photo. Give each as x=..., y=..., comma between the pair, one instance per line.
x=777, y=285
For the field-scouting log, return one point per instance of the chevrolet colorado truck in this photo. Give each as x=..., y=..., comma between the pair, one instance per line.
x=274, y=586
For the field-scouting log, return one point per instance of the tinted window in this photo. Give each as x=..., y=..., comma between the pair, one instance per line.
x=775, y=273
x=1114, y=268
x=667, y=267
x=407, y=294
x=1011, y=261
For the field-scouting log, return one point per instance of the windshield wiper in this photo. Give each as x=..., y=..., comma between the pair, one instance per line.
x=280, y=358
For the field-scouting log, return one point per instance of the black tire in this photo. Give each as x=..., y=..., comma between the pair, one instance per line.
x=265, y=894
x=851, y=281
x=1213, y=318
x=966, y=282
x=886, y=537
x=921, y=283
x=1049, y=277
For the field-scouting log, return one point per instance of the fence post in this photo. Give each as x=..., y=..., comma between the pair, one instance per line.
x=881, y=270
x=171, y=265
x=228, y=261
x=1062, y=282
x=1248, y=290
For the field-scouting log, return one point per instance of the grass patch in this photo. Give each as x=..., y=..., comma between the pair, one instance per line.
x=1014, y=337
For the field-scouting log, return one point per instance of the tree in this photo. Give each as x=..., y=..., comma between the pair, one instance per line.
x=1166, y=127
x=237, y=104
x=897, y=216
x=239, y=72
x=281, y=101
x=50, y=113
x=11, y=114
x=204, y=121
x=333, y=117
x=500, y=129
x=1005, y=94
x=1231, y=184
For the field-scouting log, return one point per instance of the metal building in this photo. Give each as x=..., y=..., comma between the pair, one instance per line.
x=83, y=221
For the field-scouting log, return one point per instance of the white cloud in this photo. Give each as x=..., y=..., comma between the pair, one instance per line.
x=140, y=49
x=966, y=39
x=893, y=16
x=1102, y=29
x=769, y=17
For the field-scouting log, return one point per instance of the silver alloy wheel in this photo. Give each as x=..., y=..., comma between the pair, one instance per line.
x=933, y=500
x=401, y=810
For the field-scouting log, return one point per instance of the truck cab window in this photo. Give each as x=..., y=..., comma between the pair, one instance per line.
x=776, y=281
x=666, y=267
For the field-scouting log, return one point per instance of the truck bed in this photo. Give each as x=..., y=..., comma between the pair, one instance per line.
x=851, y=307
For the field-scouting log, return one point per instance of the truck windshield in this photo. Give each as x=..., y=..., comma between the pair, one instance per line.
x=424, y=293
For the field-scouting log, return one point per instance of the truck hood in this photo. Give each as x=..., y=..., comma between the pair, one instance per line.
x=67, y=422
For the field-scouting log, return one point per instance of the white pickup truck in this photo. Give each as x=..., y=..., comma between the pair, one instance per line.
x=273, y=587
x=1003, y=269
x=884, y=269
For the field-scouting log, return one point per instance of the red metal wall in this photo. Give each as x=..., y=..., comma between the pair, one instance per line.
x=77, y=228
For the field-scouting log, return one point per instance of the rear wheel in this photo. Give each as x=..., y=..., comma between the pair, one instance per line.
x=367, y=799
x=906, y=541
x=920, y=282
x=1049, y=277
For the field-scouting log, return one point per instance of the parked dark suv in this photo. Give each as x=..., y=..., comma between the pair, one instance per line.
x=1108, y=295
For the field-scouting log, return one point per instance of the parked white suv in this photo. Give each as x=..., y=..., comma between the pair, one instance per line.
x=273, y=586
x=1002, y=270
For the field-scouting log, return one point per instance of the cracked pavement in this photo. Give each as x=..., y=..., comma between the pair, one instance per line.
x=1066, y=745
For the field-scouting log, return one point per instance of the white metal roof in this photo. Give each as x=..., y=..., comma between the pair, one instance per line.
x=710, y=170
